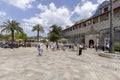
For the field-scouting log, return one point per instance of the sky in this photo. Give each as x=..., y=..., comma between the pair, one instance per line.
x=46, y=12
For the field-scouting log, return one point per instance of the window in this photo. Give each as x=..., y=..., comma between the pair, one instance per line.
x=95, y=20
x=105, y=9
x=84, y=24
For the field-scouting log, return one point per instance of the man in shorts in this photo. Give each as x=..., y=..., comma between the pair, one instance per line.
x=40, y=49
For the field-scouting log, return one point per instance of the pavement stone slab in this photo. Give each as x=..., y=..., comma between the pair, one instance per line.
x=25, y=64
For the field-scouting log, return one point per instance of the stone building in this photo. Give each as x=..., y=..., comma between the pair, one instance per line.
x=96, y=29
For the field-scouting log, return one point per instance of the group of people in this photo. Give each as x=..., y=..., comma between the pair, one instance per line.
x=55, y=46
x=102, y=47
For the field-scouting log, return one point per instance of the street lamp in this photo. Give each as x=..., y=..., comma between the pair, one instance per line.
x=111, y=50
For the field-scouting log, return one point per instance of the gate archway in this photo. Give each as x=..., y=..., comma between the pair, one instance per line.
x=91, y=43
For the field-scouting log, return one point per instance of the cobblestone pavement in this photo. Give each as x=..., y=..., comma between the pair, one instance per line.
x=25, y=64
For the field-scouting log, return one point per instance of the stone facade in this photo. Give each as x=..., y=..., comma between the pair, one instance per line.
x=100, y=21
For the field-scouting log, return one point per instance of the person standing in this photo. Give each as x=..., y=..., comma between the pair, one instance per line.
x=80, y=49
x=40, y=49
x=52, y=46
x=46, y=46
x=96, y=47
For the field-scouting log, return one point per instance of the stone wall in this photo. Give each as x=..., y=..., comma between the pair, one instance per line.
x=100, y=25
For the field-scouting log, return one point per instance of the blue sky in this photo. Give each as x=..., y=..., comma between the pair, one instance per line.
x=46, y=12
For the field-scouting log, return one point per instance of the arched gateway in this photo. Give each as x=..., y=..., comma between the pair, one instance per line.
x=91, y=43
x=91, y=37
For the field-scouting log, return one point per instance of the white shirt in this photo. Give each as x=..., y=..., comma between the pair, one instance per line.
x=41, y=45
x=80, y=46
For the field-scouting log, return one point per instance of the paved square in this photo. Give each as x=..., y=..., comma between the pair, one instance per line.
x=25, y=64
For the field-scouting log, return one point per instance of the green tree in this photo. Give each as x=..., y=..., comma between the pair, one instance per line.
x=11, y=26
x=6, y=37
x=39, y=29
x=55, y=33
x=1, y=37
x=21, y=36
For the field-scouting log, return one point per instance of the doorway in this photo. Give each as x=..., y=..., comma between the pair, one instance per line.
x=91, y=43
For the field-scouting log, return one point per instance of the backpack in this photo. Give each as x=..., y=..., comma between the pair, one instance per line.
x=38, y=46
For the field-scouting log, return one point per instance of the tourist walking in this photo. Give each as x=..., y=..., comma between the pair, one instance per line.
x=96, y=47
x=80, y=49
x=57, y=45
x=40, y=49
x=52, y=46
x=46, y=46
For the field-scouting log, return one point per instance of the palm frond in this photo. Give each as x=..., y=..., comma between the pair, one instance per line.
x=38, y=27
x=11, y=25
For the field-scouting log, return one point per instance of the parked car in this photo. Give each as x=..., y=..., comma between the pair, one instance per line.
x=15, y=45
x=2, y=44
x=9, y=45
x=6, y=46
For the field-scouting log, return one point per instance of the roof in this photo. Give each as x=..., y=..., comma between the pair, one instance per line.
x=97, y=13
x=100, y=6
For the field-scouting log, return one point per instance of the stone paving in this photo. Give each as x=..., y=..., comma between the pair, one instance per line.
x=25, y=64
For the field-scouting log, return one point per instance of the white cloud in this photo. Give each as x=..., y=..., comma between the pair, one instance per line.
x=42, y=7
x=61, y=16
x=27, y=26
x=53, y=15
x=84, y=0
x=2, y=13
x=22, y=4
x=86, y=10
x=33, y=20
x=27, y=29
x=50, y=15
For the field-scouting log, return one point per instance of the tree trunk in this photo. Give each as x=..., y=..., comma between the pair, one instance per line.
x=12, y=36
x=37, y=36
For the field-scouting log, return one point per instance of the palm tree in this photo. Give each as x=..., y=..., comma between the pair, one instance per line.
x=39, y=29
x=11, y=26
x=55, y=33
x=56, y=29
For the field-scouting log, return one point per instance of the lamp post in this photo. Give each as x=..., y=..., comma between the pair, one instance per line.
x=111, y=50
